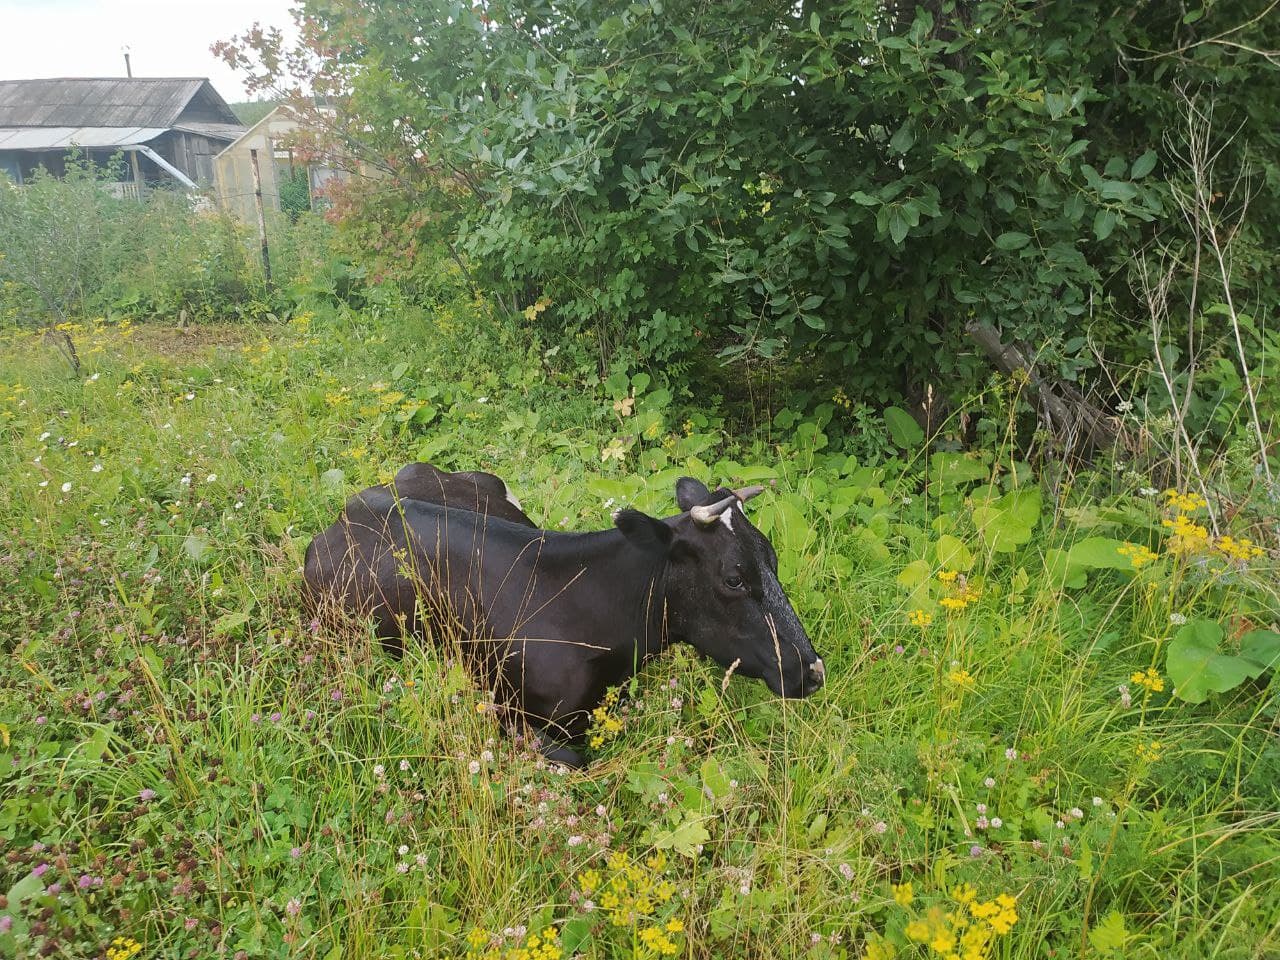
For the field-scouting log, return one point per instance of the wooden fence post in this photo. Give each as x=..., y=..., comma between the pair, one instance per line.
x=262, y=219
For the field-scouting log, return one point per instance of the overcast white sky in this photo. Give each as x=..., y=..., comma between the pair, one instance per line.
x=166, y=38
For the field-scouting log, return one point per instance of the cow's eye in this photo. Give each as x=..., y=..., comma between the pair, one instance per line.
x=733, y=582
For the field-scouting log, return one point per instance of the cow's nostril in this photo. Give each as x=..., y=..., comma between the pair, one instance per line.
x=818, y=671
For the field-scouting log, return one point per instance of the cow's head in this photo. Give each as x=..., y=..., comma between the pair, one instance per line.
x=722, y=590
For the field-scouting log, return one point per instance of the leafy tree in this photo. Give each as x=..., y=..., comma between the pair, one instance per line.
x=858, y=185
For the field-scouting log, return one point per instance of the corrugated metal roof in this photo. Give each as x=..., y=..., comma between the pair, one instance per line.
x=104, y=102
x=61, y=138
x=219, y=131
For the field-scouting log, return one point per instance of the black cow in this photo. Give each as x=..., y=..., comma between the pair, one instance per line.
x=550, y=620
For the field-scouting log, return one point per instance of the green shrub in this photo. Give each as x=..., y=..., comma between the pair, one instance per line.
x=846, y=183
x=70, y=249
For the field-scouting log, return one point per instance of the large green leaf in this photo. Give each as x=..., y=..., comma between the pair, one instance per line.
x=1098, y=553
x=1261, y=647
x=915, y=573
x=954, y=469
x=951, y=553
x=1007, y=523
x=1197, y=667
x=904, y=430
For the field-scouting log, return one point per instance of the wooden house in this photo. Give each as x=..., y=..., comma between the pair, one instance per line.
x=169, y=129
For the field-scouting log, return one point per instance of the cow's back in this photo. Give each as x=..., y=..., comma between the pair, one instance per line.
x=473, y=490
x=391, y=557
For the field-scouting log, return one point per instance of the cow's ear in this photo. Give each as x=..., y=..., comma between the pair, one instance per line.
x=643, y=530
x=691, y=493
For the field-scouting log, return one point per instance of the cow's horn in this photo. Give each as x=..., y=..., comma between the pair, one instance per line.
x=746, y=493
x=705, y=516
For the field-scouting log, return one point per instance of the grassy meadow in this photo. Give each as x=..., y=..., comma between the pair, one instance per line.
x=998, y=767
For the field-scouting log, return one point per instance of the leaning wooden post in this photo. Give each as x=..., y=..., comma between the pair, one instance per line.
x=137, y=171
x=262, y=219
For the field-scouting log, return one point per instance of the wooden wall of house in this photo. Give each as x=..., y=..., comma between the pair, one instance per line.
x=192, y=153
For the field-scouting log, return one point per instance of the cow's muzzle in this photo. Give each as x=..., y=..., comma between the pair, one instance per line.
x=814, y=677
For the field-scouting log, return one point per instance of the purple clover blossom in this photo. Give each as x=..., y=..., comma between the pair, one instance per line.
x=40, y=870
x=293, y=907
x=975, y=851
x=5, y=923
x=277, y=717
x=85, y=881
x=336, y=694
x=53, y=889
x=296, y=853
x=147, y=795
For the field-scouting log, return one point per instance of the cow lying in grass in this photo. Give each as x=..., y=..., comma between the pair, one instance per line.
x=550, y=620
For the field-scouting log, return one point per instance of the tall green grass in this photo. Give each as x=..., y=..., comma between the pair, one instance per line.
x=189, y=764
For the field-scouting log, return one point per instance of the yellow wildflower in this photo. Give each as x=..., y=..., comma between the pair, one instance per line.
x=1242, y=549
x=1187, y=537
x=962, y=678
x=1139, y=556
x=918, y=930
x=1150, y=752
x=1004, y=920
x=1149, y=679
x=944, y=941
x=948, y=576
x=1184, y=502
x=589, y=881
x=921, y=619
x=122, y=948
x=903, y=894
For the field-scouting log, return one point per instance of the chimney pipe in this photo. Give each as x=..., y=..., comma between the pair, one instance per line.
x=128, y=68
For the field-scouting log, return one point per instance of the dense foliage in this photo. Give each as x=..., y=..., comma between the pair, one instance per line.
x=851, y=182
x=70, y=248
x=1022, y=746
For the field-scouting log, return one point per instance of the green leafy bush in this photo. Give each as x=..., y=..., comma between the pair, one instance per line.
x=850, y=183
x=69, y=249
